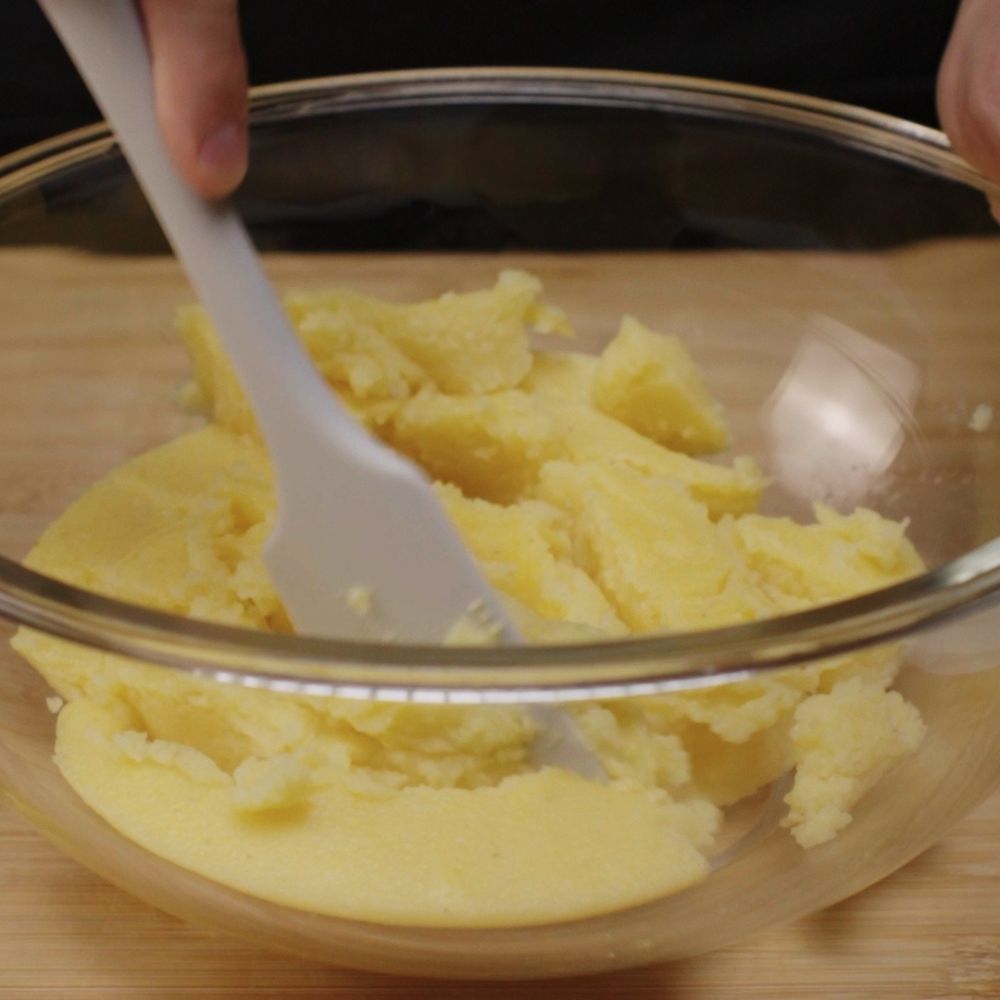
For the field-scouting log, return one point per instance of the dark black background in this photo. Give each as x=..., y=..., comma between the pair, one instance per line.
x=881, y=54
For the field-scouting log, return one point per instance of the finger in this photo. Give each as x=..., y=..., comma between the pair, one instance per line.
x=199, y=74
x=969, y=88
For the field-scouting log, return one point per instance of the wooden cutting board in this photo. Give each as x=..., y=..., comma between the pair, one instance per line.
x=930, y=931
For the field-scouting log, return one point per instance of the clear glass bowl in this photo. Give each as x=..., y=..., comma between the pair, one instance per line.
x=834, y=270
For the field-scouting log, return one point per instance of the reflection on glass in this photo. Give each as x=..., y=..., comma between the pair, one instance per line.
x=840, y=413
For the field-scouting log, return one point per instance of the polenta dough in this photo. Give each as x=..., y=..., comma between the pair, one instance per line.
x=575, y=482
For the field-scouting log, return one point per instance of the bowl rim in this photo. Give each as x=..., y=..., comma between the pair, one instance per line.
x=450, y=674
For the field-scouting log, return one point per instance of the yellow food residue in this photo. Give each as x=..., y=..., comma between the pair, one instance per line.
x=577, y=485
x=360, y=600
x=982, y=418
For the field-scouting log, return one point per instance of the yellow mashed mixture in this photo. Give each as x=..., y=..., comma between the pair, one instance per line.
x=575, y=482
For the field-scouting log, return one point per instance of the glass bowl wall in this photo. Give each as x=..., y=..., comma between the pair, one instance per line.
x=834, y=272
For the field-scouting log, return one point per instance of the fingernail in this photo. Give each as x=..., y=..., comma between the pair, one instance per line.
x=222, y=159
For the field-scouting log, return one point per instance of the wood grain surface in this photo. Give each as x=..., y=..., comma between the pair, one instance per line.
x=932, y=930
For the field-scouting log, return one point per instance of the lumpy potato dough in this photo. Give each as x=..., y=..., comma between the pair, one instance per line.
x=578, y=483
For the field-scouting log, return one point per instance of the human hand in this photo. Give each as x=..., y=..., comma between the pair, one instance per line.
x=200, y=78
x=969, y=88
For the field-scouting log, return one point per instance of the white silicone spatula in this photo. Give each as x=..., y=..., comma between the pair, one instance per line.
x=351, y=512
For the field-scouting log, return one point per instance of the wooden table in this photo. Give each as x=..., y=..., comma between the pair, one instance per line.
x=932, y=930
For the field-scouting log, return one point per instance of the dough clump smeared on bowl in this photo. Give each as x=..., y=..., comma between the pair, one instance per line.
x=578, y=483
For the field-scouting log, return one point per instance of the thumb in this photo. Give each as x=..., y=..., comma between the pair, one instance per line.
x=199, y=74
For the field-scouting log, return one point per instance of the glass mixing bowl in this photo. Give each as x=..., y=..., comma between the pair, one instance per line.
x=833, y=269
